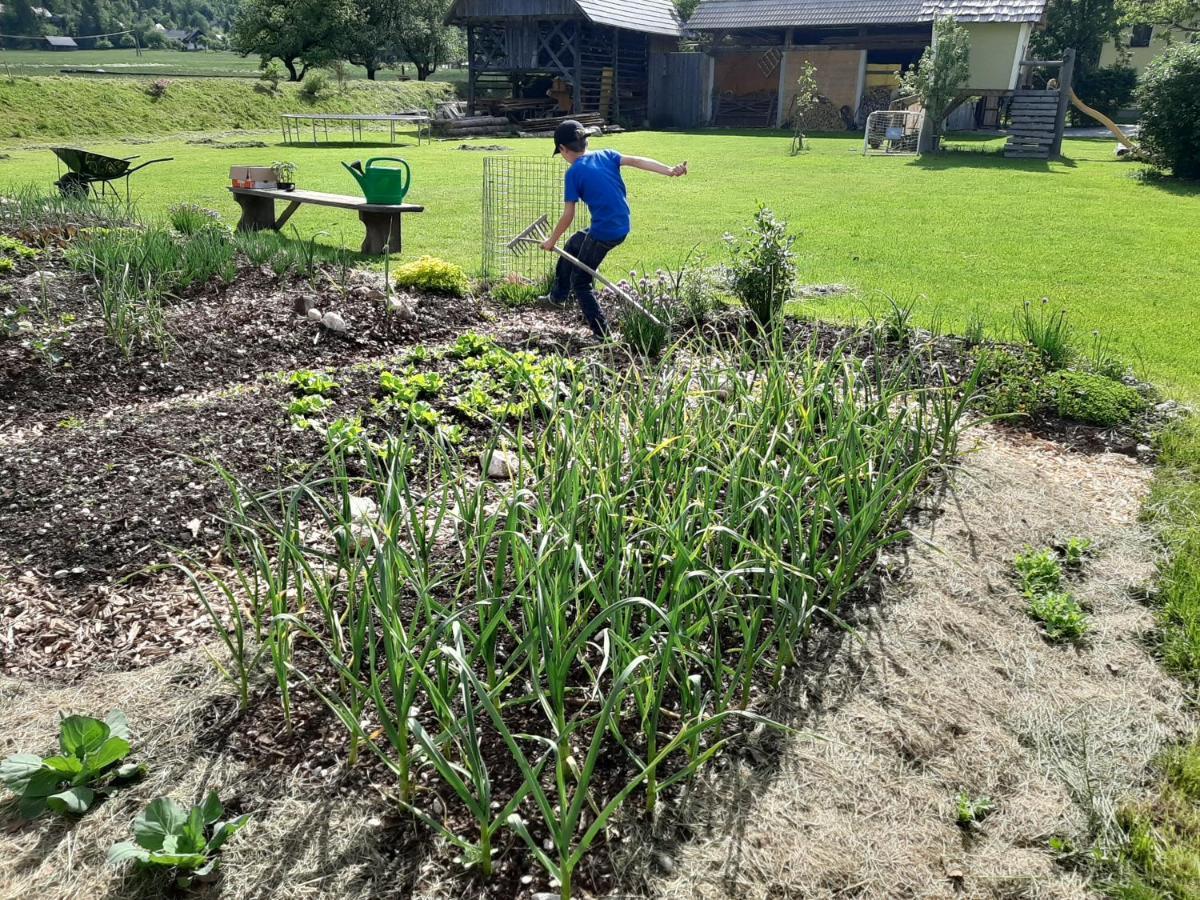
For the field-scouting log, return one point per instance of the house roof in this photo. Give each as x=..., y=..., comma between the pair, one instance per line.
x=648, y=16
x=182, y=34
x=61, y=42
x=712, y=15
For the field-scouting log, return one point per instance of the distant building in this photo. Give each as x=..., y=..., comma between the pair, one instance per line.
x=190, y=38
x=60, y=43
x=1142, y=45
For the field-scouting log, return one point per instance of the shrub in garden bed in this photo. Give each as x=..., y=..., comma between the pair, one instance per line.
x=433, y=275
x=762, y=268
x=539, y=655
x=1092, y=399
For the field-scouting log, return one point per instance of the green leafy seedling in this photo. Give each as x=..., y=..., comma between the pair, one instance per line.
x=426, y=384
x=306, y=382
x=87, y=766
x=969, y=812
x=397, y=387
x=1062, y=618
x=1039, y=570
x=423, y=414
x=185, y=841
x=471, y=344
x=1075, y=550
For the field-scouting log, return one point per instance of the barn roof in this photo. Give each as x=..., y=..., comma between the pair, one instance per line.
x=61, y=42
x=649, y=16
x=713, y=15
x=653, y=16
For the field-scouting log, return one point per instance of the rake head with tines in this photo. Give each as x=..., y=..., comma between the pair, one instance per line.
x=532, y=236
x=535, y=235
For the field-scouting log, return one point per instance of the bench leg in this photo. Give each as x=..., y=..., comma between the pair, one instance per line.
x=258, y=213
x=383, y=230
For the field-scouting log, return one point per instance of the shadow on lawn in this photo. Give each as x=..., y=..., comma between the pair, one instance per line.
x=988, y=159
x=1180, y=187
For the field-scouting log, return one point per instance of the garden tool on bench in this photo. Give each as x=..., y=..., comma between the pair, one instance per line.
x=536, y=234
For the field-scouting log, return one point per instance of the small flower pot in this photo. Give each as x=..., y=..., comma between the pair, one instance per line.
x=287, y=185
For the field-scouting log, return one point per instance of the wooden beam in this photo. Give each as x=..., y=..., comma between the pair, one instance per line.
x=472, y=70
x=577, y=103
x=1065, y=76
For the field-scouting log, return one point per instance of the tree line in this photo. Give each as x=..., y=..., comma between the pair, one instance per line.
x=90, y=17
x=302, y=34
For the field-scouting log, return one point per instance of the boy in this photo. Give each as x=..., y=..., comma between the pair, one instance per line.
x=594, y=178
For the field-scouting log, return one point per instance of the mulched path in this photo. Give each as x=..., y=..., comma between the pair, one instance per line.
x=107, y=474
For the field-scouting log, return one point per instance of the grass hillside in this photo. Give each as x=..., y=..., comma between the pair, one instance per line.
x=38, y=108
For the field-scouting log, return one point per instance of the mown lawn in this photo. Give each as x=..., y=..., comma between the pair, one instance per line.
x=963, y=232
x=175, y=62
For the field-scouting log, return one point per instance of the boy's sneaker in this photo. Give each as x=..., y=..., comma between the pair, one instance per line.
x=551, y=302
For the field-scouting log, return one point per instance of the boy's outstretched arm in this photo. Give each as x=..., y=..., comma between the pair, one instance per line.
x=653, y=165
x=564, y=222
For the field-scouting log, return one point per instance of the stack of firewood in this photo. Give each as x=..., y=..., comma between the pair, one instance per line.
x=472, y=126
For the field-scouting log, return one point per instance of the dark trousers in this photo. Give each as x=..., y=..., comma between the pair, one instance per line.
x=569, y=278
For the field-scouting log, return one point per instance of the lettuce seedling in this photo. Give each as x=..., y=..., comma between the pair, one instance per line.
x=87, y=766
x=185, y=841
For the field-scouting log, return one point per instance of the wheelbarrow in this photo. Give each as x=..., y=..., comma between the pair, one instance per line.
x=86, y=170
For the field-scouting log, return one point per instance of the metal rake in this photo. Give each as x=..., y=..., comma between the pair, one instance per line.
x=536, y=234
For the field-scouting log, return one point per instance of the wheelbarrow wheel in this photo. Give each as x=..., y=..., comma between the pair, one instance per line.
x=73, y=185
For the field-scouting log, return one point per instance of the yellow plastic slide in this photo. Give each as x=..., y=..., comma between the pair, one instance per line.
x=1103, y=120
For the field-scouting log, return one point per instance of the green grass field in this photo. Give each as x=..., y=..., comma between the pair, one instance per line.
x=963, y=232
x=81, y=110
x=173, y=62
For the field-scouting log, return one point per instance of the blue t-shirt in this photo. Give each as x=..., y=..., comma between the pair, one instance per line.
x=595, y=178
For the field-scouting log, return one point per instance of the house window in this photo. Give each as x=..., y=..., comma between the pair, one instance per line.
x=1141, y=35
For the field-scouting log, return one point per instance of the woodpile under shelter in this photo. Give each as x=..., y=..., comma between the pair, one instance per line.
x=858, y=48
x=533, y=59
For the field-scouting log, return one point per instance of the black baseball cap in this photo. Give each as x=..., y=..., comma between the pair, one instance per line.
x=567, y=133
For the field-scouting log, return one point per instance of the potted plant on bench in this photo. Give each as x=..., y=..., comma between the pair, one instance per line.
x=285, y=175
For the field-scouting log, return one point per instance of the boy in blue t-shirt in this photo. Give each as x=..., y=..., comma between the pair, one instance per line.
x=594, y=178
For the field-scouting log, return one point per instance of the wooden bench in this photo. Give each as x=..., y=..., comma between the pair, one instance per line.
x=381, y=220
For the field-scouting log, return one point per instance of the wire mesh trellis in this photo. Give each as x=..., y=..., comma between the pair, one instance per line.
x=517, y=190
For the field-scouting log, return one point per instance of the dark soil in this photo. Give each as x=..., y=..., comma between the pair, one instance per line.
x=109, y=472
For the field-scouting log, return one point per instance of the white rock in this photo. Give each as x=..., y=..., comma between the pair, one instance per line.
x=334, y=322
x=363, y=509
x=314, y=315
x=499, y=464
x=403, y=309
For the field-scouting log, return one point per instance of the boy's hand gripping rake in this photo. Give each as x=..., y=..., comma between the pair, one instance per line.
x=536, y=234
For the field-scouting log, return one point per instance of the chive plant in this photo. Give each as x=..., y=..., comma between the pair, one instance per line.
x=548, y=647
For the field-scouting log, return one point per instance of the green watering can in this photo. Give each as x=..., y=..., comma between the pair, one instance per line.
x=382, y=184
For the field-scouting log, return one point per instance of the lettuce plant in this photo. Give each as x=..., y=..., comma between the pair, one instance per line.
x=87, y=766
x=185, y=841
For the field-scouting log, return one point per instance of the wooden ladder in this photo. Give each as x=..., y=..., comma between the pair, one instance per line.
x=1034, y=120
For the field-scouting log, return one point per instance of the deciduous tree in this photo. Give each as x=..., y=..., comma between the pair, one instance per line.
x=1182, y=15
x=938, y=77
x=299, y=33
x=421, y=36
x=371, y=41
x=1083, y=25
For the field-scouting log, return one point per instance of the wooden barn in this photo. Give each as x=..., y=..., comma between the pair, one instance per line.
x=537, y=58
